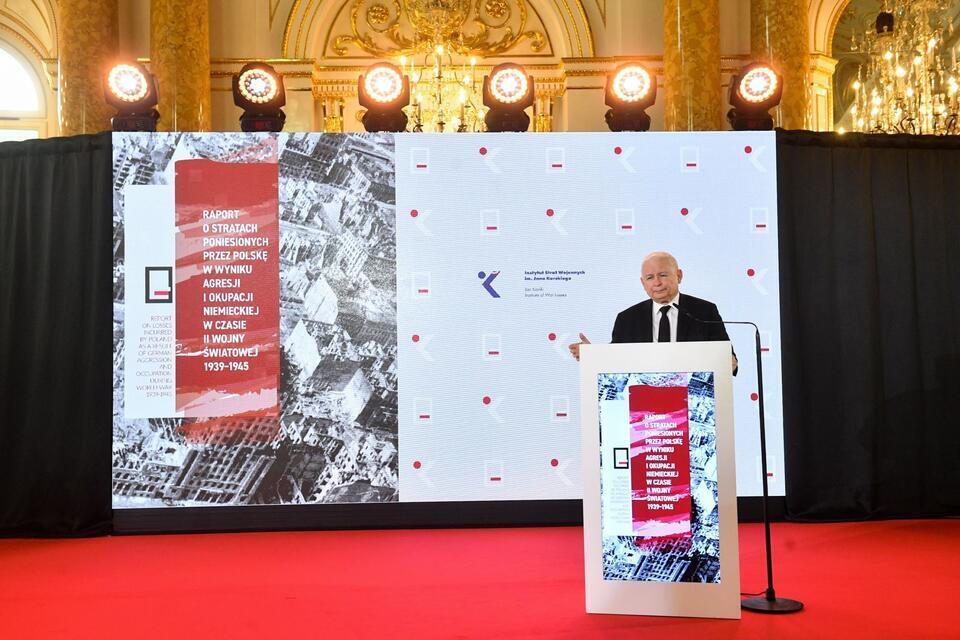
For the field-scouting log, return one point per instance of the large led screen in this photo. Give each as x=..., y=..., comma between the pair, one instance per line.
x=328, y=318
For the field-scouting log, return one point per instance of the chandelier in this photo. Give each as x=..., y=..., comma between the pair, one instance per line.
x=437, y=44
x=909, y=84
x=444, y=96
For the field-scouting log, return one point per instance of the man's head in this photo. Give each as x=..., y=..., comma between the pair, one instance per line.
x=661, y=276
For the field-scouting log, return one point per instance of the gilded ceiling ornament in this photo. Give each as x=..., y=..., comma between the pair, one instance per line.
x=465, y=27
x=378, y=15
x=496, y=9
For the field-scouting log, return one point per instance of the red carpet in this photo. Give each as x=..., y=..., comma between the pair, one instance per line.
x=875, y=580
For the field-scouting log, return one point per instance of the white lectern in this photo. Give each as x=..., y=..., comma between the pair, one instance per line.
x=659, y=483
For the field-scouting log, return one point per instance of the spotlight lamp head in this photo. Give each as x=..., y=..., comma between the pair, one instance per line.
x=507, y=91
x=132, y=90
x=631, y=89
x=754, y=90
x=384, y=91
x=258, y=90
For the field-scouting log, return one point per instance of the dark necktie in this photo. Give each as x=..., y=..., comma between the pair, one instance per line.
x=663, y=334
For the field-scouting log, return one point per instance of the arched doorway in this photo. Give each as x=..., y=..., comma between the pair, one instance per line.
x=919, y=31
x=23, y=103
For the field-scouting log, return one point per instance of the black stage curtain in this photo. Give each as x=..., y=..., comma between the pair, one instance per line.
x=56, y=208
x=870, y=312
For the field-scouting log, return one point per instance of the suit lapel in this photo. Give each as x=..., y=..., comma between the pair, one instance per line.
x=683, y=323
x=646, y=321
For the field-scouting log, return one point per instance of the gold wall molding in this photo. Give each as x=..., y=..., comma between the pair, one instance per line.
x=587, y=73
x=274, y=5
x=602, y=59
x=728, y=65
x=24, y=24
x=54, y=29
x=334, y=89
x=533, y=67
x=51, y=11
x=288, y=27
x=832, y=27
x=239, y=62
x=285, y=74
x=550, y=88
x=271, y=61
x=23, y=30
x=360, y=68
x=576, y=31
x=822, y=62
x=820, y=111
x=303, y=14
x=387, y=28
x=23, y=40
x=287, y=89
x=822, y=18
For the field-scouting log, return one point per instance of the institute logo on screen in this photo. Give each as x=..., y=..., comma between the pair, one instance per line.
x=158, y=284
x=487, y=282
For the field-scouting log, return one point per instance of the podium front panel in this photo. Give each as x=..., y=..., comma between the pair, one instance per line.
x=659, y=506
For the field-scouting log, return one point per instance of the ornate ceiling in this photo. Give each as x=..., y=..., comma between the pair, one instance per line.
x=345, y=29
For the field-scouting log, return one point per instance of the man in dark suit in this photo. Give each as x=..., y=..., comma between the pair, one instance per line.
x=657, y=319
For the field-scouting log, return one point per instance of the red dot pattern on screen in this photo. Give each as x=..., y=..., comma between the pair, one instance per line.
x=554, y=462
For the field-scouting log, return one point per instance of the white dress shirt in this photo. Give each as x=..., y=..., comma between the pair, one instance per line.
x=672, y=315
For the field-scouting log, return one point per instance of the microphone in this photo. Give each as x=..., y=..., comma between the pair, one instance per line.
x=696, y=319
x=769, y=602
x=693, y=317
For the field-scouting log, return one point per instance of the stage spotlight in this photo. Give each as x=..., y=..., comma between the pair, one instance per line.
x=132, y=91
x=258, y=90
x=630, y=91
x=754, y=90
x=384, y=91
x=507, y=91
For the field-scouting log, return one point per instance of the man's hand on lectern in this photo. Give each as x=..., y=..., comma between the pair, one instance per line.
x=575, y=347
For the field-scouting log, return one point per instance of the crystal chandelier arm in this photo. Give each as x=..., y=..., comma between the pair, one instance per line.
x=909, y=84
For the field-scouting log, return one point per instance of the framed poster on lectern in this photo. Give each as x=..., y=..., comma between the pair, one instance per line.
x=659, y=496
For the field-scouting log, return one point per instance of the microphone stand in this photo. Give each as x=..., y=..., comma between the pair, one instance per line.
x=769, y=602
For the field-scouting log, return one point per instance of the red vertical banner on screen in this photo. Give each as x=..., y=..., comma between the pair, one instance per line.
x=227, y=288
x=659, y=460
